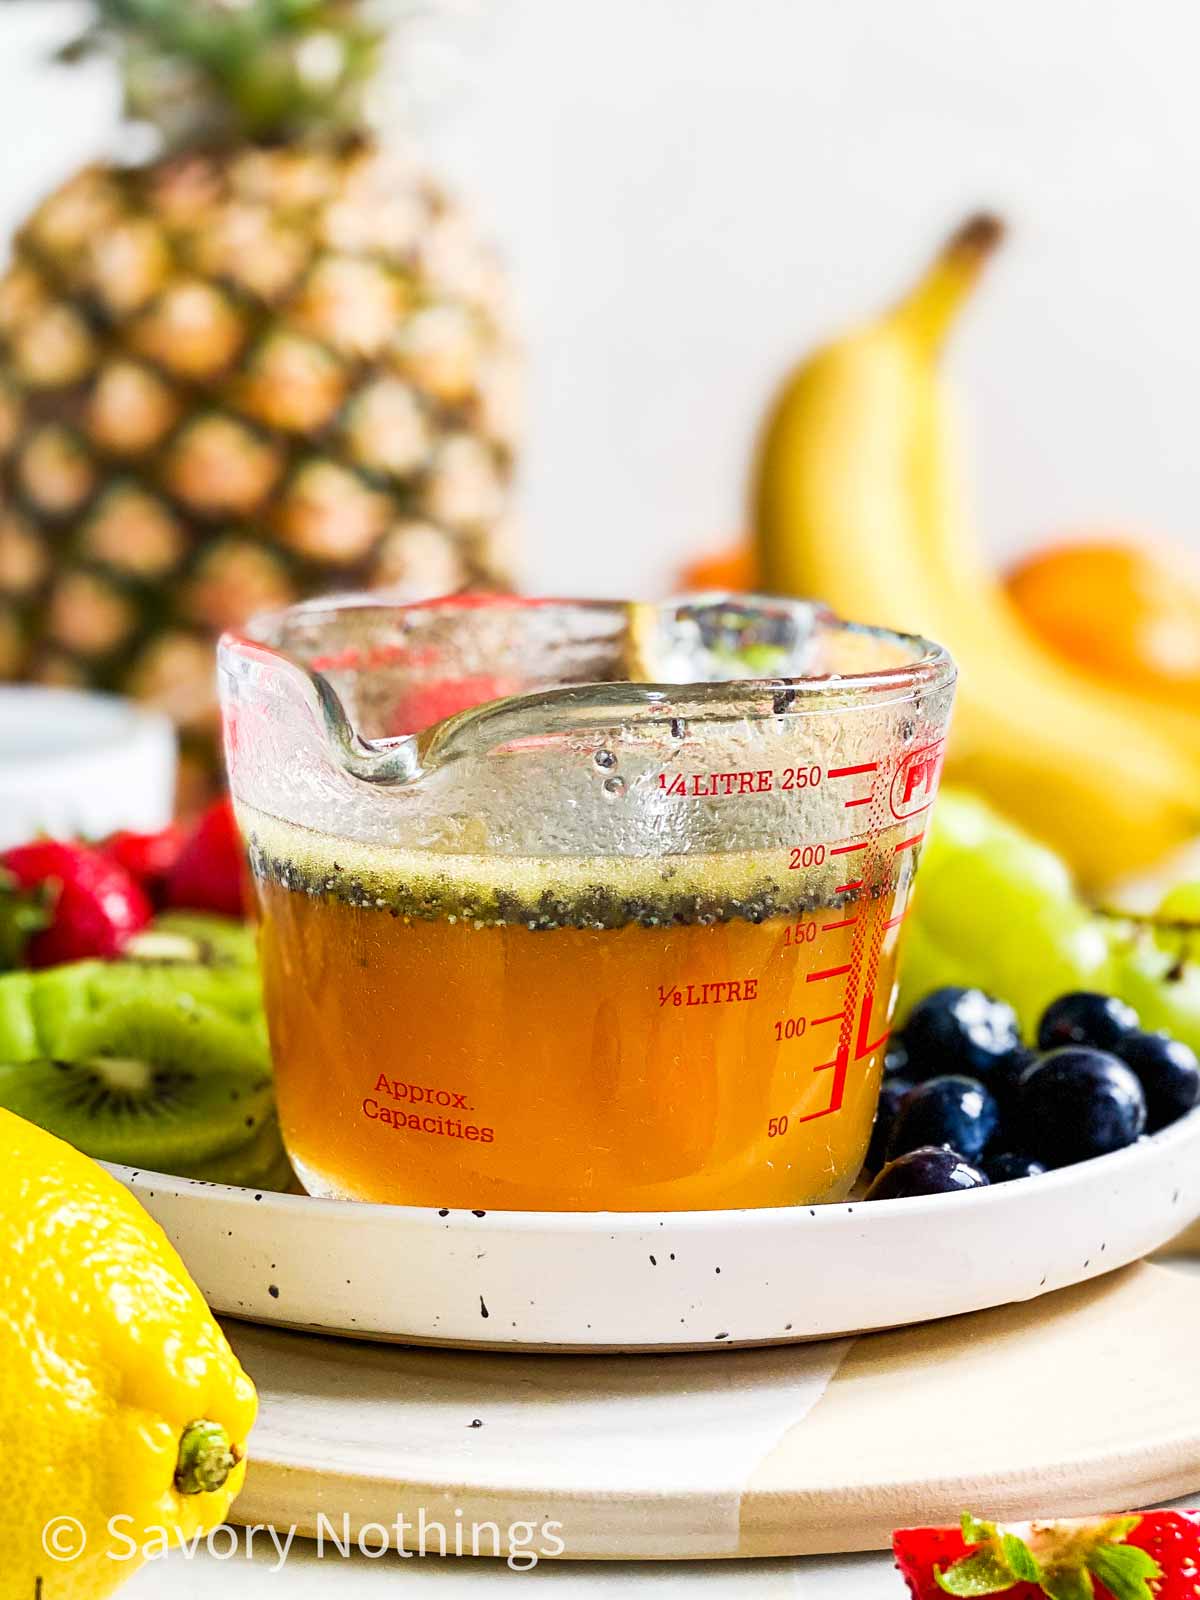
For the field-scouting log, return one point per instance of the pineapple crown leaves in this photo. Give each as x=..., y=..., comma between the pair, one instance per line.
x=1062, y=1558
x=209, y=71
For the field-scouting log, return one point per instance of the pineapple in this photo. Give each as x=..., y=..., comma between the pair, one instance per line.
x=266, y=362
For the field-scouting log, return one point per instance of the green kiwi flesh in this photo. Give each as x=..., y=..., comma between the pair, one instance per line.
x=216, y=942
x=262, y=1164
x=234, y=992
x=18, y=1031
x=165, y=1088
x=39, y=1011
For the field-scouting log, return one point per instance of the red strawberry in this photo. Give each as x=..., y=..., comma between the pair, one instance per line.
x=920, y=1552
x=426, y=703
x=1110, y=1558
x=1172, y=1538
x=478, y=600
x=148, y=858
x=67, y=902
x=209, y=874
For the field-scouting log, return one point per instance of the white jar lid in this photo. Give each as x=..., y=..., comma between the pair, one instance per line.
x=78, y=763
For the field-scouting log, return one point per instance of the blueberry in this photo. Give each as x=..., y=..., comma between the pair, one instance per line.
x=1168, y=1073
x=890, y=1096
x=932, y=1170
x=1099, y=1020
x=1077, y=1103
x=1004, y=1081
x=955, y=1111
x=895, y=1058
x=1006, y=1167
x=959, y=1030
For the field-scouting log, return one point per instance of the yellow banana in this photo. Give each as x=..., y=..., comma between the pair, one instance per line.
x=857, y=502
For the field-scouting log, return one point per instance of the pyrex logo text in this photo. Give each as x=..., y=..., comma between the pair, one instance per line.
x=916, y=780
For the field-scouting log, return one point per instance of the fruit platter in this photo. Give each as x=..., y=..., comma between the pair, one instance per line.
x=466, y=1044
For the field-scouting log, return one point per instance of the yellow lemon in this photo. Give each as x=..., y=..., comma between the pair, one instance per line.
x=123, y=1411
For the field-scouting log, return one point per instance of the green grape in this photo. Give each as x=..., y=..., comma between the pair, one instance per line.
x=1043, y=952
x=961, y=821
x=968, y=895
x=999, y=911
x=1164, y=992
x=925, y=965
x=1180, y=904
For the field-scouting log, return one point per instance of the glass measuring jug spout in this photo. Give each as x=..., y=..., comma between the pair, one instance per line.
x=572, y=905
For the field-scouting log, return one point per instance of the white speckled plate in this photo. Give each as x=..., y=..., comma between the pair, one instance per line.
x=677, y=1280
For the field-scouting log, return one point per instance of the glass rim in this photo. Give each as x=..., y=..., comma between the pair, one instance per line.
x=930, y=666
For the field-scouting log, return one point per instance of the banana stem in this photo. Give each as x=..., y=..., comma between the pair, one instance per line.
x=928, y=310
x=206, y=1458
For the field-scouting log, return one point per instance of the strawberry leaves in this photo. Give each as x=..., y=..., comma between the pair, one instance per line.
x=982, y=1572
x=1125, y=1571
x=1063, y=1558
x=22, y=914
x=1022, y=1562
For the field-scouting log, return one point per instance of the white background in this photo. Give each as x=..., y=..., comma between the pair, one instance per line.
x=691, y=191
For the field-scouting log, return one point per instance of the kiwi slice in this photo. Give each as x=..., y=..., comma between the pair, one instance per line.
x=18, y=1030
x=61, y=1002
x=233, y=991
x=148, y=1085
x=261, y=1164
x=64, y=998
x=214, y=959
x=217, y=942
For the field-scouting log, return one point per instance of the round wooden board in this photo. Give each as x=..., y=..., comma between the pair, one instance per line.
x=1082, y=1401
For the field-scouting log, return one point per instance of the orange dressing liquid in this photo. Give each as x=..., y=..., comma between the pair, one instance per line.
x=446, y=1060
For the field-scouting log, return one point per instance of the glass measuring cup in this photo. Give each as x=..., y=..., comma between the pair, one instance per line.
x=593, y=944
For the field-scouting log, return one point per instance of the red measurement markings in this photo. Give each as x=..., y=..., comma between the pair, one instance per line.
x=834, y=1016
x=894, y=922
x=910, y=844
x=845, y=888
x=829, y=972
x=721, y=784
x=852, y=772
x=839, y=1066
x=862, y=1048
x=863, y=800
x=720, y=992
x=800, y=777
x=832, y=927
x=846, y=849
